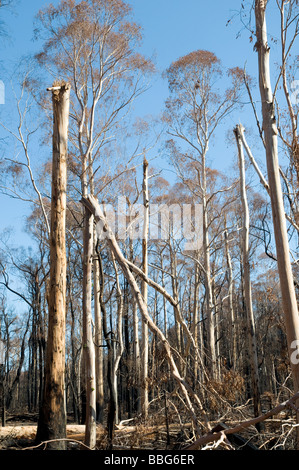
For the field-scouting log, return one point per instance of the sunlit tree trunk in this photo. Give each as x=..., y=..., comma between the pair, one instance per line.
x=232, y=323
x=253, y=359
x=52, y=419
x=98, y=339
x=118, y=347
x=136, y=353
x=289, y=300
x=176, y=308
x=195, y=329
x=88, y=340
x=144, y=291
x=88, y=344
x=207, y=273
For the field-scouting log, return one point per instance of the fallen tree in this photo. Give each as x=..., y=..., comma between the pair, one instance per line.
x=212, y=436
x=92, y=204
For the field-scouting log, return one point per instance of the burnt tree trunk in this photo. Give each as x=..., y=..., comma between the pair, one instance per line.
x=52, y=418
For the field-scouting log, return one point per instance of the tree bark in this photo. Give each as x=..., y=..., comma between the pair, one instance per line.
x=144, y=291
x=108, y=335
x=52, y=418
x=118, y=346
x=88, y=344
x=255, y=388
x=210, y=308
x=98, y=339
x=289, y=300
x=232, y=320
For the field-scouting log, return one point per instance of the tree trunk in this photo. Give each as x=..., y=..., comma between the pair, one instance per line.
x=2, y=394
x=108, y=335
x=176, y=308
x=233, y=337
x=87, y=288
x=136, y=353
x=52, y=419
x=255, y=389
x=98, y=338
x=88, y=344
x=195, y=321
x=118, y=346
x=279, y=223
x=144, y=291
x=209, y=296
x=211, y=347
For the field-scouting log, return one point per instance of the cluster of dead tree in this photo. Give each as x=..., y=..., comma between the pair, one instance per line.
x=124, y=324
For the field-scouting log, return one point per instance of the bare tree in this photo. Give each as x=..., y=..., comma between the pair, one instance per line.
x=279, y=223
x=18, y=179
x=92, y=204
x=52, y=419
x=251, y=330
x=93, y=45
x=289, y=31
x=193, y=113
x=144, y=291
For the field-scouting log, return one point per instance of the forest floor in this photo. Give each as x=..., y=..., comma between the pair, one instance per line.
x=20, y=436
x=20, y=431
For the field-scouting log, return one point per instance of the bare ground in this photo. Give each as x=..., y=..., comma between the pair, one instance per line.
x=22, y=436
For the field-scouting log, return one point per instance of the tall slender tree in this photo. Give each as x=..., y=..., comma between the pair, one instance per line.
x=289, y=300
x=52, y=419
x=251, y=330
x=193, y=112
x=144, y=291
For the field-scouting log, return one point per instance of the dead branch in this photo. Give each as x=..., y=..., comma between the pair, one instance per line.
x=215, y=436
x=56, y=440
x=92, y=204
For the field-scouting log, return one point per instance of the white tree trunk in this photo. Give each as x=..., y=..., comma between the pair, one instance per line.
x=88, y=344
x=209, y=294
x=232, y=320
x=279, y=223
x=253, y=359
x=207, y=271
x=98, y=339
x=119, y=346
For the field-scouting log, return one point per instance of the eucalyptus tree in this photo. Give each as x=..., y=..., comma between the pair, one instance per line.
x=289, y=300
x=194, y=110
x=52, y=419
x=93, y=46
x=247, y=281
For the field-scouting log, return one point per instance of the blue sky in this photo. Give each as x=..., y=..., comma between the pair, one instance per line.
x=171, y=28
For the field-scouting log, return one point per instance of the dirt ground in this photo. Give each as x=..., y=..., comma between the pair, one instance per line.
x=29, y=431
x=20, y=436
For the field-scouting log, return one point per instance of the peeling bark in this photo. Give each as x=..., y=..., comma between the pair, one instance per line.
x=52, y=419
